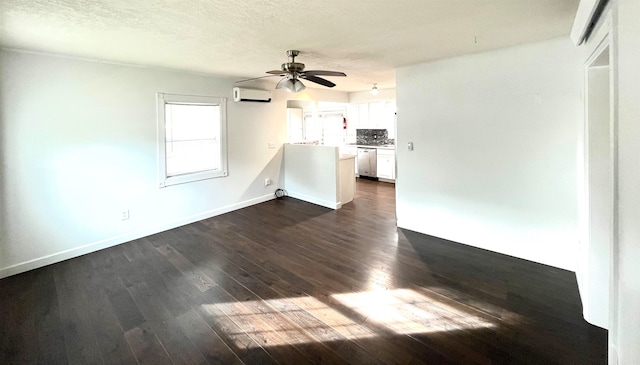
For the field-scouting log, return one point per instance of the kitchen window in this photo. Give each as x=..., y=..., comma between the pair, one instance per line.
x=191, y=138
x=333, y=131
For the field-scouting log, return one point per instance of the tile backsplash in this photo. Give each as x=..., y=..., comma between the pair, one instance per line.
x=373, y=137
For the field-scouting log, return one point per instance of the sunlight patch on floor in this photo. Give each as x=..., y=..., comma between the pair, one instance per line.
x=278, y=322
x=405, y=311
x=297, y=320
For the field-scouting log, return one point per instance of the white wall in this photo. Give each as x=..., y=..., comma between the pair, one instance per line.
x=79, y=146
x=313, y=96
x=620, y=18
x=367, y=97
x=598, y=238
x=595, y=180
x=311, y=174
x=495, y=141
x=626, y=274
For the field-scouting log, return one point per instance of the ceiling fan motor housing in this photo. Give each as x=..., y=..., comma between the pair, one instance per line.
x=292, y=66
x=295, y=67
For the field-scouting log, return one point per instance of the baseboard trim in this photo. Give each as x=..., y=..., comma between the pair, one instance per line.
x=119, y=239
x=314, y=200
x=414, y=225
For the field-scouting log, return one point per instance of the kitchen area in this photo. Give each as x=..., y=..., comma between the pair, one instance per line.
x=375, y=154
x=331, y=144
x=364, y=129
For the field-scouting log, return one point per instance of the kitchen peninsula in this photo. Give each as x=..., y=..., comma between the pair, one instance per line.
x=319, y=174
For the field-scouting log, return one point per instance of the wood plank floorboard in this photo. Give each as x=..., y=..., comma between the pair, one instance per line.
x=288, y=282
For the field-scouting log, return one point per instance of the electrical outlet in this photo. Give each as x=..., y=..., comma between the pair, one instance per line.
x=267, y=182
x=124, y=215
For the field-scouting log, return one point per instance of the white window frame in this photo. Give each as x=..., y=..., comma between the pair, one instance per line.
x=162, y=100
x=323, y=113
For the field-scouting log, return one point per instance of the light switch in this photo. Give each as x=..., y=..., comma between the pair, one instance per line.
x=410, y=146
x=271, y=145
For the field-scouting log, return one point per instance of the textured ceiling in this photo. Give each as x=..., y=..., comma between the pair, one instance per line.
x=366, y=39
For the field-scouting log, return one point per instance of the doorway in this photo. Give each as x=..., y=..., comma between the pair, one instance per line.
x=598, y=232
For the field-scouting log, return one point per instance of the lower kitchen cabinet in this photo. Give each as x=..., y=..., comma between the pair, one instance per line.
x=351, y=151
x=386, y=164
x=346, y=179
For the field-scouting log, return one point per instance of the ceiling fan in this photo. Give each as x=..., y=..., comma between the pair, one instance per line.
x=292, y=71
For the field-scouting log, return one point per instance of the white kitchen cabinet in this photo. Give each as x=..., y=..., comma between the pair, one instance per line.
x=373, y=115
x=351, y=151
x=346, y=179
x=376, y=115
x=386, y=164
x=389, y=119
x=363, y=116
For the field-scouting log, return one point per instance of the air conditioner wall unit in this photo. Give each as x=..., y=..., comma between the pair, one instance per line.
x=242, y=94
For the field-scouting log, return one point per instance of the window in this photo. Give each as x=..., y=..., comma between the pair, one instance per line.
x=191, y=138
x=324, y=125
x=333, y=132
x=311, y=127
x=295, y=125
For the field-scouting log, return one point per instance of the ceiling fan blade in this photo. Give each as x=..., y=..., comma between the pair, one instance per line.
x=255, y=78
x=325, y=73
x=318, y=80
x=276, y=72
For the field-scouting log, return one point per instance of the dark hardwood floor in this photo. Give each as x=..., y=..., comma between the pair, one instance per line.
x=294, y=283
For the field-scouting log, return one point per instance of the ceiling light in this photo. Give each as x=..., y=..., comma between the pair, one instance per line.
x=292, y=85
x=374, y=89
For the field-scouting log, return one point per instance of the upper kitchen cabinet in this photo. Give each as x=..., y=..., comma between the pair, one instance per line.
x=371, y=115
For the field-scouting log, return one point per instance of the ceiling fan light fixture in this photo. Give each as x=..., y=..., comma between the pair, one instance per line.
x=292, y=85
x=297, y=86
x=282, y=84
x=293, y=71
x=374, y=89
